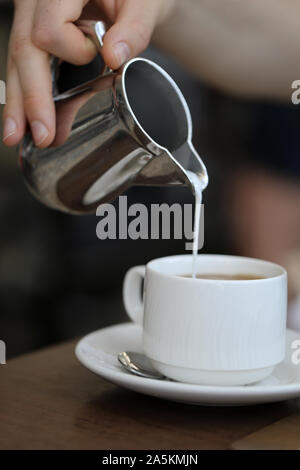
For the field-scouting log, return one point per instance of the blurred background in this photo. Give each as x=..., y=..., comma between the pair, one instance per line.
x=58, y=281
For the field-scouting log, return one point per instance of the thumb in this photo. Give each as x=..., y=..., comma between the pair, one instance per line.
x=131, y=32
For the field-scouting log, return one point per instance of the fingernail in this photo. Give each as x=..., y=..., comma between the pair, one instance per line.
x=9, y=128
x=39, y=131
x=122, y=52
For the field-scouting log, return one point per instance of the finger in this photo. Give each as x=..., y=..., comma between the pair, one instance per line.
x=14, y=120
x=54, y=31
x=13, y=114
x=131, y=32
x=110, y=7
x=35, y=78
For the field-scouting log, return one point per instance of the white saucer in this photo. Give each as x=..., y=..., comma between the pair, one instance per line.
x=98, y=352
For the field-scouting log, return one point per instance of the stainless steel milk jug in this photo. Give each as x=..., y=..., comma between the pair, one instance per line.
x=126, y=127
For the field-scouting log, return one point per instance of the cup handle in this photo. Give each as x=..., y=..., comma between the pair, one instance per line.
x=134, y=304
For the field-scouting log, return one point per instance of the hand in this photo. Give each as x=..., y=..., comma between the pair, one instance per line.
x=44, y=27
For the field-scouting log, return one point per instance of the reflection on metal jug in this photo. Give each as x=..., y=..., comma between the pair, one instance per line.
x=124, y=128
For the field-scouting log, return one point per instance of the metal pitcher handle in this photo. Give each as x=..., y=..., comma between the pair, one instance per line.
x=96, y=30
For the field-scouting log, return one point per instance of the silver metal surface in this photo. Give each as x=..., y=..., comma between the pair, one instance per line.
x=124, y=128
x=139, y=364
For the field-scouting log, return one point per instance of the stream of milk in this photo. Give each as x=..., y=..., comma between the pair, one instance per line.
x=198, y=189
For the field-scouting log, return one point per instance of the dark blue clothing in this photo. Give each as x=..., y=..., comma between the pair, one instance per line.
x=275, y=137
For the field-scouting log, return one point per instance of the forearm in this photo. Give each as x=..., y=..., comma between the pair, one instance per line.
x=245, y=47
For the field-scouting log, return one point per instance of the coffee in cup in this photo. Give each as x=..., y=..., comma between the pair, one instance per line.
x=226, y=277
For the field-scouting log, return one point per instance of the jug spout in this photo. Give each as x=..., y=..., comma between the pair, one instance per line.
x=180, y=167
x=189, y=162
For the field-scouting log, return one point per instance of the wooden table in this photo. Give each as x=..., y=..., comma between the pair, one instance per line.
x=48, y=400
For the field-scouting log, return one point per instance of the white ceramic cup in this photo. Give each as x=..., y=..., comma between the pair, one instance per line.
x=214, y=332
